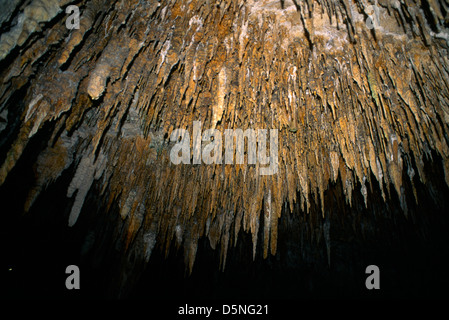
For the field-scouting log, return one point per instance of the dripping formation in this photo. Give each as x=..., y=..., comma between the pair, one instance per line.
x=364, y=108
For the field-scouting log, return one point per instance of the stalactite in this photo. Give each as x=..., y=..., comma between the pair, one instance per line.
x=348, y=101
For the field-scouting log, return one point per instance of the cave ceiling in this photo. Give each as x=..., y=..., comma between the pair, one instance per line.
x=358, y=92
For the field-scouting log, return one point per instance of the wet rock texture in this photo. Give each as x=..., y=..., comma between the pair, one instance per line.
x=360, y=110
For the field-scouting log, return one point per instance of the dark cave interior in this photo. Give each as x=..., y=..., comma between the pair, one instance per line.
x=361, y=115
x=411, y=252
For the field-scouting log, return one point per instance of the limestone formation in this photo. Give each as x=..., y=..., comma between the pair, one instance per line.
x=359, y=97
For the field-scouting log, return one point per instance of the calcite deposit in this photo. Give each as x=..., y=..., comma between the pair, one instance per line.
x=357, y=103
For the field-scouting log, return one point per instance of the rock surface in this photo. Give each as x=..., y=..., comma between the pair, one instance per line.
x=359, y=99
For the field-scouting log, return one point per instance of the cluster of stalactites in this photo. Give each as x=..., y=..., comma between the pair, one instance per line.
x=351, y=100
